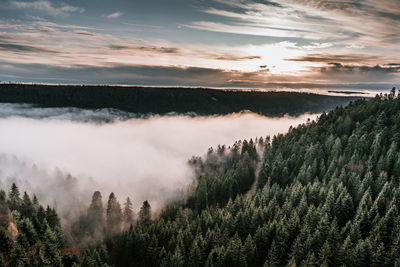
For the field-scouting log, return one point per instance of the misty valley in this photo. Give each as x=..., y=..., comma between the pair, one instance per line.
x=105, y=187
x=142, y=157
x=77, y=179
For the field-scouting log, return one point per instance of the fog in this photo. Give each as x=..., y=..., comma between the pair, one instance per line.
x=106, y=150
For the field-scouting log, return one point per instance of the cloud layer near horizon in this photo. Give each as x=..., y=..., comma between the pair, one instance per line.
x=140, y=158
x=144, y=158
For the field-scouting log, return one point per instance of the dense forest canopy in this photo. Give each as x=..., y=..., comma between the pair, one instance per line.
x=31, y=235
x=327, y=193
x=158, y=100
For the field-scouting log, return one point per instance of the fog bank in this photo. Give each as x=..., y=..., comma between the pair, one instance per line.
x=144, y=158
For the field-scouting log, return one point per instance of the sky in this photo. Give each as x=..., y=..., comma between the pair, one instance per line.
x=211, y=43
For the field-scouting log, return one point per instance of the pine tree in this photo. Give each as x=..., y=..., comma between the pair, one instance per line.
x=95, y=215
x=28, y=229
x=128, y=213
x=52, y=218
x=310, y=260
x=195, y=255
x=17, y=257
x=177, y=258
x=27, y=209
x=345, y=253
x=145, y=212
x=2, y=260
x=250, y=251
x=114, y=216
x=38, y=257
x=273, y=256
x=14, y=197
x=6, y=244
x=3, y=197
x=35, y=202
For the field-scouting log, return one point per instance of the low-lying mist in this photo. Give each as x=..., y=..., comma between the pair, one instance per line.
x=143, y=158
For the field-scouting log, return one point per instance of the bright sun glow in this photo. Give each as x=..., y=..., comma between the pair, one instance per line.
x=273, y=57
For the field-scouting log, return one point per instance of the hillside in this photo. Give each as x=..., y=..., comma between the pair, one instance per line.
x=158, y=100
x=328, y=195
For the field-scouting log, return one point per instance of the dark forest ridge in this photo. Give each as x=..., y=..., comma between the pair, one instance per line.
x=346, y=92
x=163, y=100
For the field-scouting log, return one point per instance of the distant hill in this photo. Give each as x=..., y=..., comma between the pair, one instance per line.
x=145, y=100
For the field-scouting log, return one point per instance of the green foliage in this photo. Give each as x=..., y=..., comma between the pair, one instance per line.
x=327, y=195
x=145, y=213
x=224, y=173
x=30, y=235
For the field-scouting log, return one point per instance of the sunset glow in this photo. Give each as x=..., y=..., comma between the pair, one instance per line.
x=200, y=43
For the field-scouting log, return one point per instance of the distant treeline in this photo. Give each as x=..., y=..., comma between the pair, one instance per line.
x=146, y=100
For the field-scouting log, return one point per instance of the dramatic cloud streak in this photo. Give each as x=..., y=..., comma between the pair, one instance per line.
x=48, y=7
x=329, y=58
x=314, y=19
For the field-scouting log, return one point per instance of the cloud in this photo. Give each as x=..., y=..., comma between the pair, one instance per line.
x=73, y=54
x=129, y=157
x=249, y=29
x=54, y=25
x=132, y=74
x=237, y=58
x=217, y=55
x=347, y=6
x=115, y=15
x=85, y=33
x=315, y=45
x=48, y=7
x=159, y=49
x=78, y=45
x=350, y=67
x=338, y=67
x=328, y=58
x=24, y=48
x=308, y=35
x=352, y=73
x=356, y=23
x=330, y=76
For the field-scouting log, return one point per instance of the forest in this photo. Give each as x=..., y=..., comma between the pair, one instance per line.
x=327, y=193
x=159, y=100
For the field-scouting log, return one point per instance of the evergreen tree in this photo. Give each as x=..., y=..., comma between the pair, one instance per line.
x=14, y=197
x=114, y=216
x=95, y=216
x=128, y=213
x=145, y=213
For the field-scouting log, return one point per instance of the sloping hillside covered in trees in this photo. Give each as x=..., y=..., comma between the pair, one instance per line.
x=328, y=194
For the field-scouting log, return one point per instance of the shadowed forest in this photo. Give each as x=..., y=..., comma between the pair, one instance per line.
x=324, y=194
x=157, y=100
